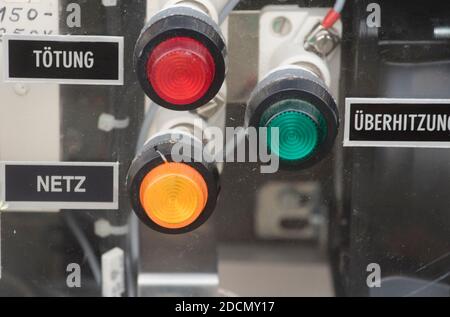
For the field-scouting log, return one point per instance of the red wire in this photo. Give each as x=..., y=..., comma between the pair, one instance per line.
x=331, y=18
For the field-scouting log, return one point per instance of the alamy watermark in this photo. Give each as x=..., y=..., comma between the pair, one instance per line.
x=374, y=277
x=73, y=279
x=232, y=145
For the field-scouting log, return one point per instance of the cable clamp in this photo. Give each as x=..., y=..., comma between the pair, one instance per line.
x=107, y=123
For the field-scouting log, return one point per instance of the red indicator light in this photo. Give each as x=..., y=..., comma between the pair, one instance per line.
x=181, y=70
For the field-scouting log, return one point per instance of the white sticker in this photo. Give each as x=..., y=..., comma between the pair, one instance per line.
x=29, y=17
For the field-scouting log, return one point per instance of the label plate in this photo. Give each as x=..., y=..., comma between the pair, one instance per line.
x=385, y=122
x=61, y=185
x=64, y=59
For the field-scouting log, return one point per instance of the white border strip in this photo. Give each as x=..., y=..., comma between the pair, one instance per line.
x=398, y=144
x=1, y=267
x=11, y=206
x=64, y=38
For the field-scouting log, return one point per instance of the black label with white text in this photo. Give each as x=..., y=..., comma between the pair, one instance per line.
x=65, y=59
x=391, y=122
x=76, y=184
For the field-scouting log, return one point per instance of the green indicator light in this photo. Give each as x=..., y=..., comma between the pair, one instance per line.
x=298, y=135
x=301, y=129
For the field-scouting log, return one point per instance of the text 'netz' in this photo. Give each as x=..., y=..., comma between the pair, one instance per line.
x=59, y=184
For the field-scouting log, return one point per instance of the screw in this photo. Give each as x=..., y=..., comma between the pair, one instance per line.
x=282, y=26
x=324, y=42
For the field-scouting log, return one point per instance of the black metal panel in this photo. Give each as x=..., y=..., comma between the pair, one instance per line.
x=395, y=211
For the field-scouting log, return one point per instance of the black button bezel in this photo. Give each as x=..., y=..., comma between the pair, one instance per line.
x=157, y=152
x=296, y=84
x=184, y=22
